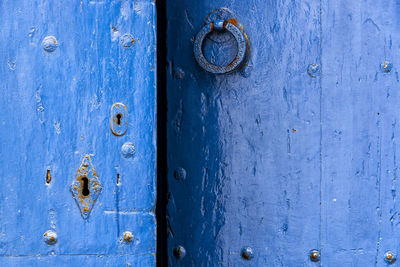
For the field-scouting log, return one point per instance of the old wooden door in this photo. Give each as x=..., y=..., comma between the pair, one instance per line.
x=77, y=134
x=292, y=159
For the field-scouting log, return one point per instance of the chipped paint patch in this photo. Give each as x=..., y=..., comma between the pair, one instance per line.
x=57, y=127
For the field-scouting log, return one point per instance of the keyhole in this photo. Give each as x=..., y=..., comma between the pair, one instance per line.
x=119, y=117
x=85, y=186
x=48, y=177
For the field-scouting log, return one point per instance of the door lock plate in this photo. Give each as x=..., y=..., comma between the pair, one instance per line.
x=118, y=119
x=86, y=187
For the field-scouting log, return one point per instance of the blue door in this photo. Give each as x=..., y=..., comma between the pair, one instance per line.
x=283, y=131
x=77, y=134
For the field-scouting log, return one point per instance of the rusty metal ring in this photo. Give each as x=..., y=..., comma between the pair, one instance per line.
x=220, y=25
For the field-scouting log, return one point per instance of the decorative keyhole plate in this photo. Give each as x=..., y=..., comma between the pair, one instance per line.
x=118, y=119
x=86, y=187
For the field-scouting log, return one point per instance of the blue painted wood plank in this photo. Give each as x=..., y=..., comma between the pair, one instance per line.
x=297, y=152
x=359, y=115
x=79, y=260
x=244, y=149
x=56, y=109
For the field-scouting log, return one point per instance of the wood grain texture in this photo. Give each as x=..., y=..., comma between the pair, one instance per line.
x=79, y=260
x=279, y=159
x=55, y=109
x=250, y=145
x=359, y=129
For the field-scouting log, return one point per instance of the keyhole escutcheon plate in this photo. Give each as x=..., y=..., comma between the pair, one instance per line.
x=118, y=119
x=86, y=187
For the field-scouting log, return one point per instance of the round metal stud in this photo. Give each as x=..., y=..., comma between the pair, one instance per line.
x=50, y=237
x=49, y=43
x=179, y=252
x=315, y=256
x=128, y=150
x=313, y=70
x=180, y=174
x=247, y=253
x=390, y=257
x=386, y=67
x=220, y=25
x=127, y=40
x=128, y=236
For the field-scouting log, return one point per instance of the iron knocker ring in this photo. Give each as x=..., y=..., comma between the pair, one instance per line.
x=220, y=25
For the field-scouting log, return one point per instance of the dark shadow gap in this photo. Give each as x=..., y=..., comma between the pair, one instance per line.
x=162, y=172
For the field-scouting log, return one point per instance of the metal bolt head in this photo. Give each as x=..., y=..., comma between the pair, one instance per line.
x=313, y=70
x=386, y=67
x=128, y=236
x=315, y=256
x=219, y=25
x=178, y=73
x=390, y=257
x=127, y=40
x=49, y=43
x=128, y=150
x=50, y=237
x=180, y=174
x=179, y=252
x=247, y=253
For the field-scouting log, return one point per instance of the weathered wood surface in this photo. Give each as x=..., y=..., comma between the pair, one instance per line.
x=283, y=157
x=55, y=109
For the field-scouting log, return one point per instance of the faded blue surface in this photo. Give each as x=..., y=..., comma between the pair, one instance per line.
x=55, y=109
x=298, y=151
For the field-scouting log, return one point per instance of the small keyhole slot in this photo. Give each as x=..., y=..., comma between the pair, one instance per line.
x=119, y=117
x=48, y=177
x=85, y=186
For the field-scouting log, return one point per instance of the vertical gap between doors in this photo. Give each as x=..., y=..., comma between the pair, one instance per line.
x=162, y=190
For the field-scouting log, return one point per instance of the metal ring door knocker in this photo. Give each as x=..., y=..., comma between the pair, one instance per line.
x=222, y=24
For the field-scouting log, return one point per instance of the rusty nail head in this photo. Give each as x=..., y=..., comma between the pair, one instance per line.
x=386, y=66
x=128, y=236
x=315, y=256
x=127, y=40
x=50, y=237
x=179, y=252
x=247, y=253
x=390, y=257
x=49, y=43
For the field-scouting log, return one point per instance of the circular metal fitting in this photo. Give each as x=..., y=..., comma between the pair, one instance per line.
x=247, y=253
x=180, y=174
x=127, y=40
x=128, y=236
x=49, y=43
x=220, y=25
x=50, y=237
x=313, y=70
x=390, y=257
x=315, y=256
x=128, y=150
x=386, y=67
x=179, y=252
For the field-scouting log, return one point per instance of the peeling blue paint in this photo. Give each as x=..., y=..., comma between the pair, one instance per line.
x=301, y=155
x=55, y=109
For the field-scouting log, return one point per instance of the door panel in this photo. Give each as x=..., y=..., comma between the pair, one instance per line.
x=65, y=63
x=359, y=147
x=294, y=152
x=248, y=141
x=78, y=260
